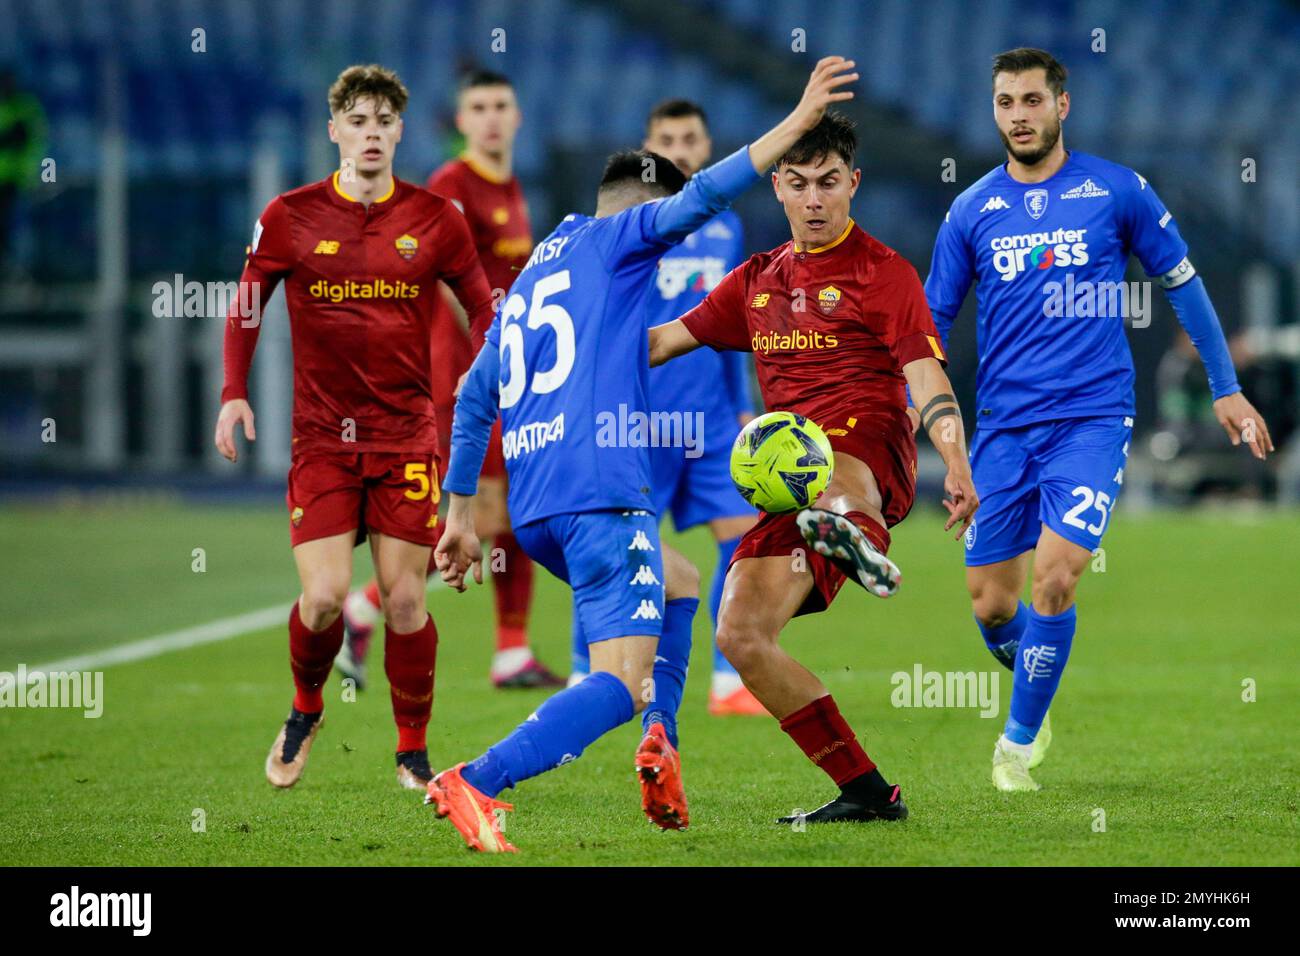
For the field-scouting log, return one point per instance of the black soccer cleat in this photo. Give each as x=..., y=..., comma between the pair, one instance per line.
x=847, y=809
x=413, y=770
x=838, y=539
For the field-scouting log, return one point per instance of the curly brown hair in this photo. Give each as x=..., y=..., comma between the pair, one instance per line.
x=370, y=81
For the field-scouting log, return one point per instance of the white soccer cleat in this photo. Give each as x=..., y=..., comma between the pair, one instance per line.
x=1041, y=742
x=1011, y=769
x=835, y=537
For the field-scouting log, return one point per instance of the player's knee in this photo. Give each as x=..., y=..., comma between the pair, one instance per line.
x=321, y=603
x=681, y=578
x=741, y=645
x=404, y=608
x=993, y=606
x=1054, y=588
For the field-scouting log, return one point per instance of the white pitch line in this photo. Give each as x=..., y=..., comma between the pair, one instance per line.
x=214, y=631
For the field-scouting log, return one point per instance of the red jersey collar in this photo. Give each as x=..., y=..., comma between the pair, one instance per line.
x=828, y=246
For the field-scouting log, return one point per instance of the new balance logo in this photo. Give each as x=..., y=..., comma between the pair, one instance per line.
x=644, y=575
x=995, y=202
x=640, y=543
x=1039, y=661
x=646, y=612
x=1085, y=190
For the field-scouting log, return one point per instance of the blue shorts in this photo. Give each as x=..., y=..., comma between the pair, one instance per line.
x=699, y=490
x=1066, y=474
x=613, y=562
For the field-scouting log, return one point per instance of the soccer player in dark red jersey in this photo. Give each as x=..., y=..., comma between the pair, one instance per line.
x=360, y=255
x=838, y=325
x=482, y=185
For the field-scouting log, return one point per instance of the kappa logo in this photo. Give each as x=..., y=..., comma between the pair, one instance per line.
x=646, y=612
x=1039, y=661
x=1036, y=203
x=326, y=247
x=645, y=575
x=407, y=245
x=994, y=203
x=640, y=543
x=1085, y=190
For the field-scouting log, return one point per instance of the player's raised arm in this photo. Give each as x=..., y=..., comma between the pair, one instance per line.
x=714, y=188
x=270, y=257
x=932, y=395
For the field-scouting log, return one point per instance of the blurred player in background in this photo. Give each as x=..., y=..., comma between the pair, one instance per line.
x=838, y=325
x=713, y=387
x=1047, y=237
x=481, y=185
x=361, y=255
x=566, y=353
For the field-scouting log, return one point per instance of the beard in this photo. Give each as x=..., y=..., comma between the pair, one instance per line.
x=1033, y=155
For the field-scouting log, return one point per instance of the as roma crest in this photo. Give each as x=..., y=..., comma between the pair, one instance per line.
x=407, y=246
x=828, y=298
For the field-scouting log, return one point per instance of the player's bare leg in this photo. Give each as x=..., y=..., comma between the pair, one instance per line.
x=846, y=525
x=728, y=695
x=315, y=633
x=658, y=765
x=410, y=650
x=513, y=662
x=1041, y=657
x=761, y=596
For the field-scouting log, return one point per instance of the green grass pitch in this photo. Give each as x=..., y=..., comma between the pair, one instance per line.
x=1153, y=736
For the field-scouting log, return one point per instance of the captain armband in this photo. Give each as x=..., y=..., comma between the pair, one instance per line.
x=1180, y=274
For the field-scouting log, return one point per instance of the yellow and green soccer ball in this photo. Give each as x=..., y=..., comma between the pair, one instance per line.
x=781, y=462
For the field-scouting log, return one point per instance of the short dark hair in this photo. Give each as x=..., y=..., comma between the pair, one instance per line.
x=643, y=169
x=1031, y=58
x=675, y=109
x=834, y=133
x=471, y=79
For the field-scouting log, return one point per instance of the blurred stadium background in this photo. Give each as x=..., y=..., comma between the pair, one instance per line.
x=164, y=156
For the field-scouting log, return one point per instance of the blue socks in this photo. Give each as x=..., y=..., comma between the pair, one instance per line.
x=561, y=729
x=671, y=660
x=1003, y=640
x=1044, y=649
x=725, y=550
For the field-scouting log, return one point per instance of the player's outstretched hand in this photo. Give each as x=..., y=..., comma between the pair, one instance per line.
x=459, y=550
x=960, y=500
x=1243, y=424
x=823, y=89
x=234, y=412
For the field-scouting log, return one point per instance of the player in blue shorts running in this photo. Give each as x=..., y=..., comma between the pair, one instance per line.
x=692, y=478
x=1046, y=237
x=566, y=362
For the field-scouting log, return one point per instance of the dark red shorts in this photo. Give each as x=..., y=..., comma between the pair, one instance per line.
x=884, y=442
x=390, y=493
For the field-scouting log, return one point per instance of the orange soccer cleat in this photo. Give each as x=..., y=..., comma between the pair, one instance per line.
x=663, y=798
x=739, y=702
x=478, y=817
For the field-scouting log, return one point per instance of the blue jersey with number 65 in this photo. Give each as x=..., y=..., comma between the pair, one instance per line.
x=566, y=359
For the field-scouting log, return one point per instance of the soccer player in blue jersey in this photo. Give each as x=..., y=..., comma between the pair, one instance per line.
x=692, y=478
x=1046, y=238
x=566, y=362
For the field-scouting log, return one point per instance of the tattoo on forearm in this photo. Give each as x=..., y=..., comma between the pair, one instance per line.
x=944, y=399
x=941, y=406
x=945, y=412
